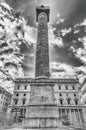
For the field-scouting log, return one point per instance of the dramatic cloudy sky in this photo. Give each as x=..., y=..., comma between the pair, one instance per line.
x=67, y=37
x=67, y=33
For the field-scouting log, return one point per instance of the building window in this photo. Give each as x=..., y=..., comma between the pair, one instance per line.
x=0, y=91
x=21, y=112
x=76, y=102
x=6, y=104
x=24, y=111
x=61, y=101
x=18, y=87
x=3, y=91
x=7, y=99
x=17, y=94
x=68, y=101
x=66, y=87
x=59, y=87
x=74, y=95
x=23, y=102
x=24, y=94
x=60, y=94
x=81, y=115
x=2, y=97
x=16, y=102
x=25, y=87
x=73, y=87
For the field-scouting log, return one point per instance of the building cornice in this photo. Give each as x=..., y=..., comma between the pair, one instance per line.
x=45, y=80
x=58, y=106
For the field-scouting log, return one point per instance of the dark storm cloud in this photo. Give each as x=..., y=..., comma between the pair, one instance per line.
x=26, y=7
x=80, y=11
x=24, y=49
x=73, y=10
x=70, y=39
x=71, y=35
x=28, y=63
x=6, y=51
x=3, y=45
x=18, y=3
x=8, y=64
x=63, y=55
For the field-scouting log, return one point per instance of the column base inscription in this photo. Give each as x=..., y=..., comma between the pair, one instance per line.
x=41, y=123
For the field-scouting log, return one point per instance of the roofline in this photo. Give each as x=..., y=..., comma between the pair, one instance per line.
x=45, y=80
x=3, y=89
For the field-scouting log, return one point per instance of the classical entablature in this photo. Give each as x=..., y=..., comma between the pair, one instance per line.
x=45, y=80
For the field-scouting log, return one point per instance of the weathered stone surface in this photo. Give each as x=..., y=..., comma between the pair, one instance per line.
x=42, y=111
x=42, y=49
x=41, y=94
x=42, y=123
x=41, y=107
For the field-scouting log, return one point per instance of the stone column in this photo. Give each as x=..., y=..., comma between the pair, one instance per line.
x=75, y=116
x=84, y=114
x=79, y=117
x=80, y=122
x=42, y=49
x=70, y=116
x=60, y=122
x=61, y=113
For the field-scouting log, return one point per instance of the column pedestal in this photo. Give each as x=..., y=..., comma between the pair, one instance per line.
x=41, y=116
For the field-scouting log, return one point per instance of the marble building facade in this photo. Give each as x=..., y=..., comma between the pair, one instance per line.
x=66, y=96
x=5, y=99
